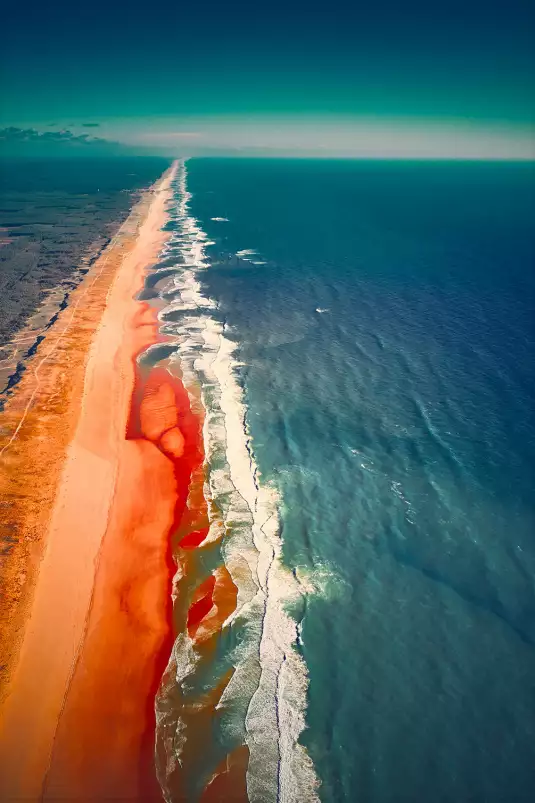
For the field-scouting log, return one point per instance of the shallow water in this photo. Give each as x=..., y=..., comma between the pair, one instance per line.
x=232, y=699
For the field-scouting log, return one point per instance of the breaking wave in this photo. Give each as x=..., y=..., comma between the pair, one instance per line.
x=234, y=692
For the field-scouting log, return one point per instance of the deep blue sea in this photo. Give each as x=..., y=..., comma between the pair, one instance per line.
x=384, y=321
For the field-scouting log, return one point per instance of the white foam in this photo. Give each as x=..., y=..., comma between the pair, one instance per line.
x=323, y=581
x=269, y=685
x=220, y=219
x=171, y=733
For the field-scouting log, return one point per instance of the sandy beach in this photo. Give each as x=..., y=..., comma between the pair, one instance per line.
x=85, y=632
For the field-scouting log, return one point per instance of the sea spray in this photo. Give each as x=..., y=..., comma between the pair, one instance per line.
x=264, y=701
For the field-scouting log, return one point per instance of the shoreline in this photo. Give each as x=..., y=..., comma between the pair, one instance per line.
x=238, y=739
x=176, y=578
x=107, y=600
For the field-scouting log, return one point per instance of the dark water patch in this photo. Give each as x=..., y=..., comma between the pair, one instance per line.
x=156, y=354
x=169, y=262
x=172, y=315
x=152, y=279
x=172, y=293
x=147, y=295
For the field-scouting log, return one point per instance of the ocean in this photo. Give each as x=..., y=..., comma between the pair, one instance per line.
x=363, y=336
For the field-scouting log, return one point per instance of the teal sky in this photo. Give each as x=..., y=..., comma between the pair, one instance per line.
x=142, y=71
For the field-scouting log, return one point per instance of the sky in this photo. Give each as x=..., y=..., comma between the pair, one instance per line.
x=390, y=77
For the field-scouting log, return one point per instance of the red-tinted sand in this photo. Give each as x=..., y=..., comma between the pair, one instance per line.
x=79, y=722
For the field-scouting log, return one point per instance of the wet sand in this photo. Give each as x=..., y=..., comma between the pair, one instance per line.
x=91, y=614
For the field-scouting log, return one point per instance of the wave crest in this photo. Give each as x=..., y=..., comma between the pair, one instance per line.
x=248, y=676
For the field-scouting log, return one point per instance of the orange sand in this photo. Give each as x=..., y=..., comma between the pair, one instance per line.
x=36, y=427
x=77, y=721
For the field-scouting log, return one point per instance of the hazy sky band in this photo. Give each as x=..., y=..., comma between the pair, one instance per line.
x=318, y=136
x=392, y=62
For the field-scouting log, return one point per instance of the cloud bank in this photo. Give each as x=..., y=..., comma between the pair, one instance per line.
x=31, y=142
x=307, y=137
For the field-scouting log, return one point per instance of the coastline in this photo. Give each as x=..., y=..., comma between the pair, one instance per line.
x=97, y=605
x=159, y=654
x=236, y=737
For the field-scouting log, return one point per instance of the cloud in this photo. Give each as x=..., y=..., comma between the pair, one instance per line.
x=13, y=134
x=31, y=142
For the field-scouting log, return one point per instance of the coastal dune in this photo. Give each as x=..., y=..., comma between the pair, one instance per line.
x=77, y=716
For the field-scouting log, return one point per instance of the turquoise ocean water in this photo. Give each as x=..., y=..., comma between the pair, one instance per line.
x=382, y=315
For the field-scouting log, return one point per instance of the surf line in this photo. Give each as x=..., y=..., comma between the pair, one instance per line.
x=231, y=704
